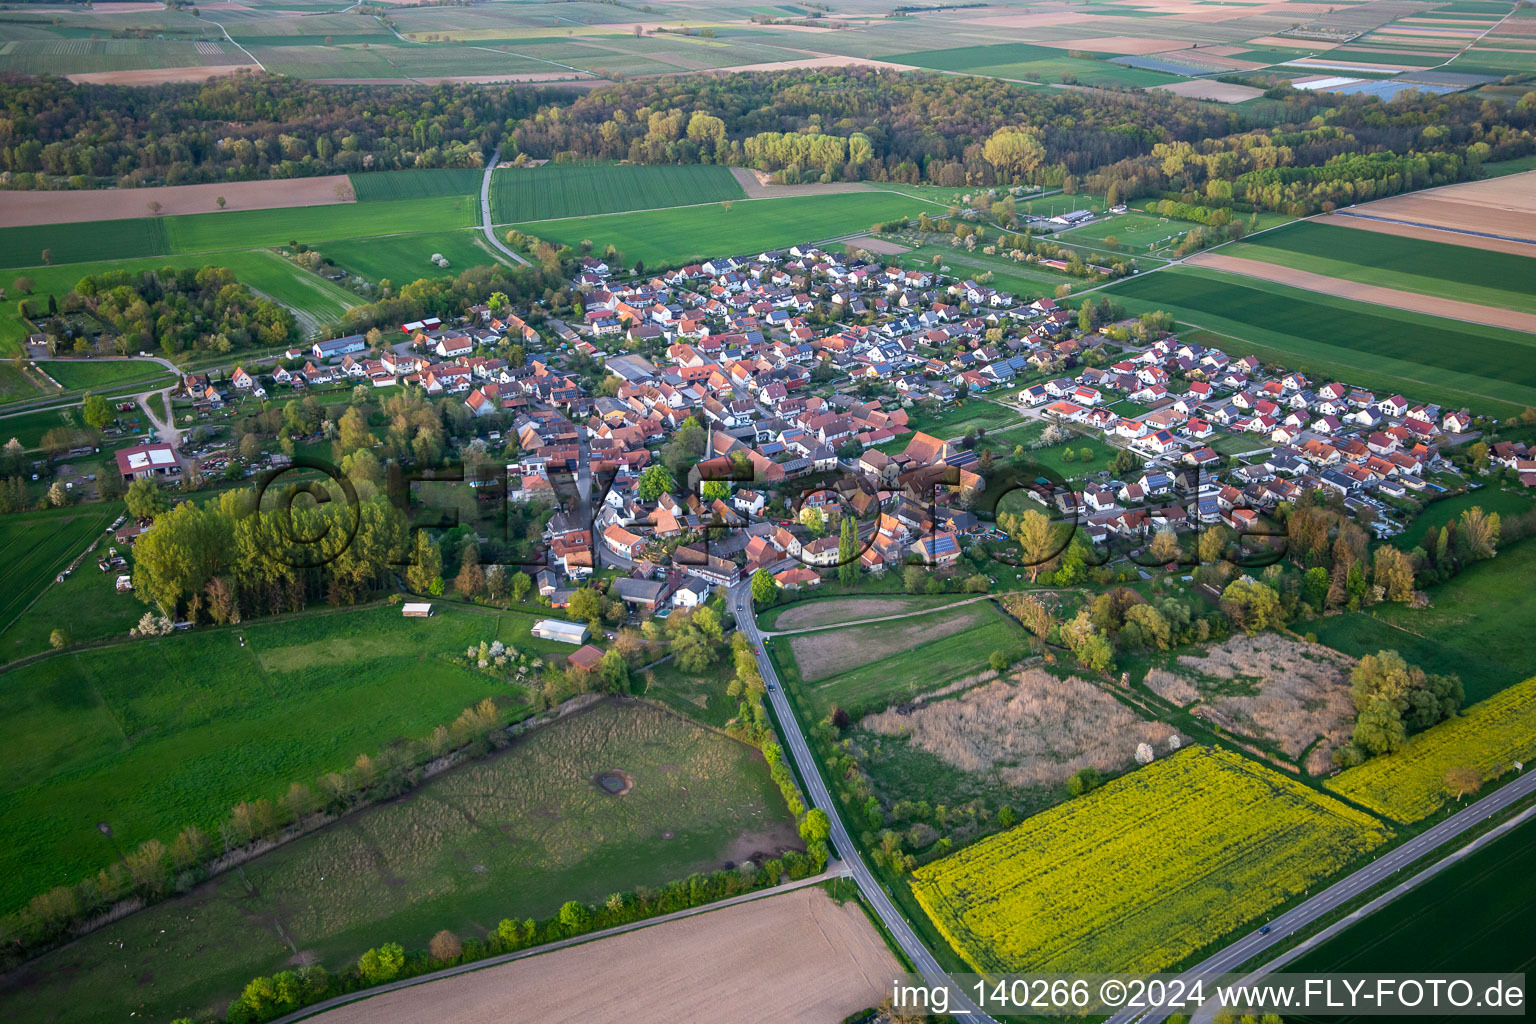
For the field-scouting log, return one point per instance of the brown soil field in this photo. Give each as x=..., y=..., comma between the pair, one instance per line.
x=757, y=185
x=1202, y=89
x=1028, y=20
x=1429, y=234
x=794, y=957
x=540, y=76
x=1281, y=41
x=844, y=609
x=1500, y=206
x=1368, y=293
x=878, y=245
x=158, y=76
x=20, y=209
x=826, y=654
x=1032, y=730
x=1125, y=45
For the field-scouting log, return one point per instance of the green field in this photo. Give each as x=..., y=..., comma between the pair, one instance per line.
x=1476, y=625
x=105, y=373
x=897, y=666
x=1053, y=458
x=574, y=190
x=515, y=835
x=36, y=547
x=955, y=419
x=86, y=605
x=1432, y=358
x=155, y=735
x=1477, y=911
x=404, y=258
x=1024, y=280
x=1459, y=272
x=1441, y=512
x=92, y=241
x=1032, y=63
x=671, y=237
x=451, y=181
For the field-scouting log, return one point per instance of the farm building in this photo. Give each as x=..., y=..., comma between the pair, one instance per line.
x=147, y=461
x=417, y=610
x=339, y=346
x=587, y=658
x=564, y=632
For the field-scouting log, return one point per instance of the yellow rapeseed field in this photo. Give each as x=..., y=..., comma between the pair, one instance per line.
x=1410, y=784
x=1142, y=873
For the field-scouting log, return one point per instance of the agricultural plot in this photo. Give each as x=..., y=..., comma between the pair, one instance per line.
x=675, y=237
x=404, y=258
x=514, y=835
x=1456, y=363
x=34, y=548
x=1477, y=911
x=812, y=612
x=1475, y=626
x=1145, y=872
x=1287, y=694
x=1025, y=62
x=1462, y=272
x=827, y=653
x=156, y=735
x=1410, y=784
x=553, y=191
x=425, y=184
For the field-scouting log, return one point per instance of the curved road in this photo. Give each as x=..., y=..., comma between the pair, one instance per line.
x=1335, y=896
x=485, y=210
x=816, y=790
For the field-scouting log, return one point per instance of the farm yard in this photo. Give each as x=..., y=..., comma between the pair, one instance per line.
x=441, y=857
x=156, y=735
x=1437, y=359
x=674, y=237
x=812, y=959
x=1410, y=784
x=554, y=191
x=1142, y=874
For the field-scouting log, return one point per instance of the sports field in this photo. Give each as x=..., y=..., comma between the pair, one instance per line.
x=515, y=835
x=1462, y=272
x=404, y=258
x=553, y=191
x=155, y=735
x=1455, y=363
x=1147, y=871
x=673, y=237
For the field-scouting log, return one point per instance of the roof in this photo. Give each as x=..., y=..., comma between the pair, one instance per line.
x=575, y=630
x=145, y=456
x=586, y=657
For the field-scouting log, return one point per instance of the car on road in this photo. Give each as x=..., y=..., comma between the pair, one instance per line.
x=1264, y=930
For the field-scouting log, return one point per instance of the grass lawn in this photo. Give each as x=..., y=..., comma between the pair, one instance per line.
x=36, y=546
x=1433, y=358
x=1441, y=512
x=522, y=194
x=16, y=386
x=1054, y=458
x=514, y=835
x=1477, y=625
x=815, y=610
x=954, y=420
x=404, y=258
x=1024, y=280
x=29, y=427
x=86, y=605
x=1132, y=231
x=1460, y=272
x=1477, y=911
x=1237, y=444
x=105, y=373
x=1129, y=409
x=668, y=237
x=153, y=736
x=895, y=670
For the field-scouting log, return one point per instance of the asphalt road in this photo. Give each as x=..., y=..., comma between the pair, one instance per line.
x=485, y=210
x=1330, y=899
x=795, y=745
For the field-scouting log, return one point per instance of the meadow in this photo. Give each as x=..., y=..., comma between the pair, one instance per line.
x=553, y=191
x=1455, y=363
x=1026, y=281
x=1144, y=872
x=1475, y=626
x=1053, y=458
x=668, y=237
x=422, y=184
x=36, y=547
x=155, y=735
x=1410, y=784
x=105, y=373
x=86, y=605
x=900, y=659
x=404, y=258
x=1459, y=272
x=1438, y=513
x=1477, y=911
x=513, y=835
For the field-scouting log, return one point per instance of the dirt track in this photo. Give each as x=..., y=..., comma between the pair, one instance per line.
x=21, y=209
x=795, y=957
x=1368, y=293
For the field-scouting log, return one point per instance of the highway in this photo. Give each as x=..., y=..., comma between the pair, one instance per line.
x=1335, y=896
x=963, y=1009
